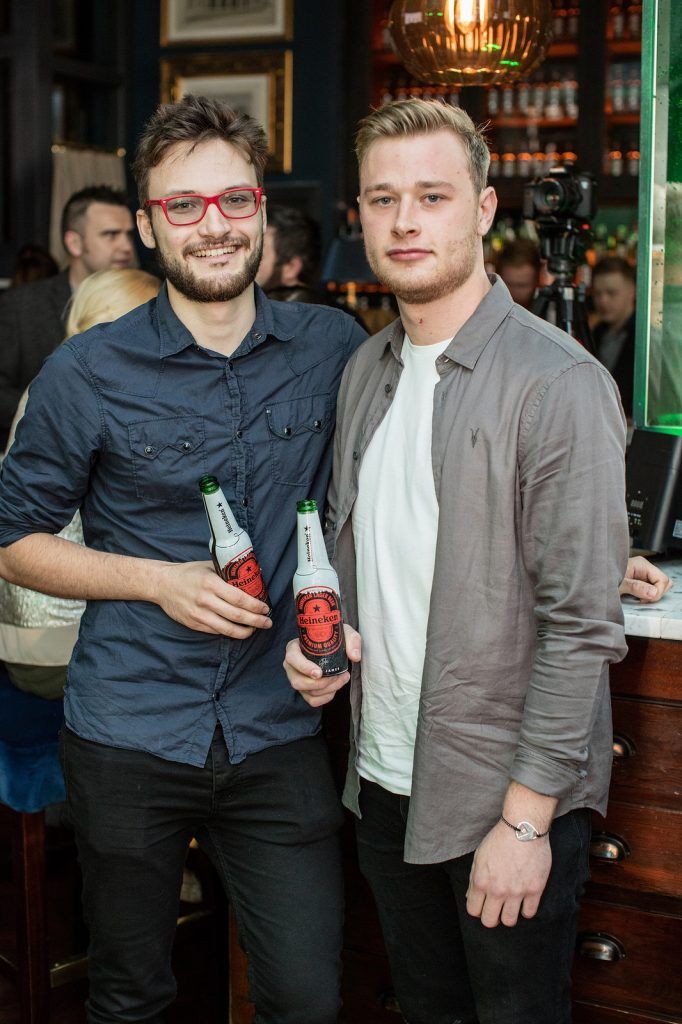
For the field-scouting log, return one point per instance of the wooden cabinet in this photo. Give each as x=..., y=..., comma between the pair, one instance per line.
x=630, y=932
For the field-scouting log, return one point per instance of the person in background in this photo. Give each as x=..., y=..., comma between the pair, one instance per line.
x=97, y=231
x=518, y=264
x=480, y=535
x=613, y=297
x=38, y=632
x=179, y=718
x=33, y=263
x=291, y=256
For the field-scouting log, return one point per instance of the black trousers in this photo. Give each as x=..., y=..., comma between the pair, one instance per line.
x=447, y=967
x=269, y=824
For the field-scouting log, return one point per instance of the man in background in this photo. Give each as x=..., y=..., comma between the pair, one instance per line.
x=291, y=256
x=97, y=231
x=613, y=295
x=519, y=267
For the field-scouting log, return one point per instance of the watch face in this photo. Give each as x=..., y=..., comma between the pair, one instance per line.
x=525, y=832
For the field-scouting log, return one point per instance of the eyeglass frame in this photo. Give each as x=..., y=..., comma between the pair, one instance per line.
x=209, y=200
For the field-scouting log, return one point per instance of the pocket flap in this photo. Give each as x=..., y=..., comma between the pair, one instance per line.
x=287, y=419
x=183, y=433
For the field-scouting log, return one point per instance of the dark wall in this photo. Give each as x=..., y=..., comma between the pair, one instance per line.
x=319, y=116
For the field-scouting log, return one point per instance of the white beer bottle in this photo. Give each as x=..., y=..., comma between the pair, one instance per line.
x=230, y=546
x=316, y=593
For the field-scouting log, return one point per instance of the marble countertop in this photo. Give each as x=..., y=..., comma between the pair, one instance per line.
x=663, y=619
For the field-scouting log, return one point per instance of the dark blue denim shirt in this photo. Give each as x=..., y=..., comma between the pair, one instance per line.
x=121, y=422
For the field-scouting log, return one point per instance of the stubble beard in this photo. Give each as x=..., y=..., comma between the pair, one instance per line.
x=220, y=290
x=443, y=283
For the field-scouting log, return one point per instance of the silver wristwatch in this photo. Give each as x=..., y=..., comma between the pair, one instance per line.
x=524, y=831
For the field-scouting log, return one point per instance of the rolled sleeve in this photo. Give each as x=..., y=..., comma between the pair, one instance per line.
x=44, y=477
x=575, y=546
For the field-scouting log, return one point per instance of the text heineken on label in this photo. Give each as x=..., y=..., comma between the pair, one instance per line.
x=230, y=545
x=316, y=593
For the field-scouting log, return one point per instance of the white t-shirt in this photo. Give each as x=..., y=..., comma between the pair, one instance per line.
x=395, y=523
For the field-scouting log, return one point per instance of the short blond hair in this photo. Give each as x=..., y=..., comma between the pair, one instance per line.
x=422, y=117
x=107, y=295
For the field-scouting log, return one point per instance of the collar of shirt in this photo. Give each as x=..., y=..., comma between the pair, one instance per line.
x=272, y=320
x=473, y=336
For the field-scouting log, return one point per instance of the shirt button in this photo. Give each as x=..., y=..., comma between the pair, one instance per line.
x=148, y=450
x=388, y=388
x=229, y=364
x=186, y=446
x=317, y=424
x=287, y=431
x=216, y=695
x=257, y=335
x=245, y=502
x=240, y=434
x=356, y=456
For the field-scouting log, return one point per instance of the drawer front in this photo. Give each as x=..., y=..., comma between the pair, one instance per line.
x=647, y=763
x=652, y=669
x=638, y=849
x=647, y=977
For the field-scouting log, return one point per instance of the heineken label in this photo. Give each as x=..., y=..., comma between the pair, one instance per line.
x=244, y=573
x=318, y=612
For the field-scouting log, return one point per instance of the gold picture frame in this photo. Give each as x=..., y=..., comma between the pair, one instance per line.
x=257, y=83
x=185, y=22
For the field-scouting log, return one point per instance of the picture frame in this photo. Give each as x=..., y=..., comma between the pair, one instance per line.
x=256, y=83
x=225, y=21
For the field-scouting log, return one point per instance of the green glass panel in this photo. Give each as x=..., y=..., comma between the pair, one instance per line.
x=658, y=370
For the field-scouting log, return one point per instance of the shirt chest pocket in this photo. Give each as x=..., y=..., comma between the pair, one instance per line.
x=298, y=432
x=168, y=458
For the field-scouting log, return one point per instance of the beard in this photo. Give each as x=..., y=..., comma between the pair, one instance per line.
x=459, y=267
x=218, y=290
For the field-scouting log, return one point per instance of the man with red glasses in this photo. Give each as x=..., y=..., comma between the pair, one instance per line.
x=179, y=717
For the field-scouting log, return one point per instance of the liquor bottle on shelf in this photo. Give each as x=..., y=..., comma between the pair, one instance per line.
x=616, y=27
x=554, y=109
x=508, y=101
x=524, y=98
x=524, y=164
x=633, y=91
x=494, y=170
x=570, y=94
x=569, y=158
x=453, y=97
x=508, y=163
x=539, y=96
x=493, y=101
x=559, y=21
x=615, y=161
x=632, y=159
x=634, y=20
x=617, y=89
x=538, y=163
x=573, y=21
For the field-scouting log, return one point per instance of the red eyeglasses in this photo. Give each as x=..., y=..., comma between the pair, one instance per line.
x=234, y=204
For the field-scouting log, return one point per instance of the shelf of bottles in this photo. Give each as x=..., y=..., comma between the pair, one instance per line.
x=532, y=123
x=623, y=90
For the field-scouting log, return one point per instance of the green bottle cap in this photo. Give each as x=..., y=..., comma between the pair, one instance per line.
x=306, y=506
x=208, y=484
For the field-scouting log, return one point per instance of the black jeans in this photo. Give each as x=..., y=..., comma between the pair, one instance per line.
x=269, y=824
x=447, y=967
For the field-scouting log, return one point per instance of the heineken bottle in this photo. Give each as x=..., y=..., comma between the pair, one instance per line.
x=230, y=546
x=316, y=593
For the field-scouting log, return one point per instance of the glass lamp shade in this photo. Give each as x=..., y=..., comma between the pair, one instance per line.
x=470, y=42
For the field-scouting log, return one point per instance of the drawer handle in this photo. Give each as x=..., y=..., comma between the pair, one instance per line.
x=387, y=1001
x=596, y=946
x=604, y=846
x=623, y=748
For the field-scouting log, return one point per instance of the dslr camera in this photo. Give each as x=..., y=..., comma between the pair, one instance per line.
x=562, y=195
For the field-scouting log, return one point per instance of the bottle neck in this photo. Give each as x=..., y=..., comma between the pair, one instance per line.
x=224, y=527
x=312, y=553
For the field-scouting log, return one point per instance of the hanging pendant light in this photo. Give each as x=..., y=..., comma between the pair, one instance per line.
x=470, y=42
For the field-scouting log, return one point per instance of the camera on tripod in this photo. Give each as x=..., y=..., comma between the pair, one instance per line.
x=562, y=203
x=562, y=194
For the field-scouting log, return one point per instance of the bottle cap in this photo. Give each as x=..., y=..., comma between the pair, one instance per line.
x=208, y=484
x=306, y=506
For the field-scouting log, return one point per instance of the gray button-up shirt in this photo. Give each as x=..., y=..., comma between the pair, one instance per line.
x=528, y=463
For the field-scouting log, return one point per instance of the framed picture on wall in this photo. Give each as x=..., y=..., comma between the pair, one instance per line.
x=225, y=21
x=255, y=83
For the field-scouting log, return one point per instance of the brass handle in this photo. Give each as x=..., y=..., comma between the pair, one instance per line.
x=387, y=1001
x=604, y=846
x=622, y=747
x=596, y=946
